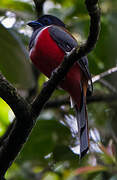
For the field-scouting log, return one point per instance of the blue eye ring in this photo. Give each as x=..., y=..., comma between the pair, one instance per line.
x=34, y=23
x=37, y=23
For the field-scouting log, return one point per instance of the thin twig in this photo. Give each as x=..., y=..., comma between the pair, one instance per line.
x=92, y=99
x=102, y=98
x=104, y=74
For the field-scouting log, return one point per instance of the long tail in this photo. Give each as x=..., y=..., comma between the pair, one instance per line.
x=82, y=120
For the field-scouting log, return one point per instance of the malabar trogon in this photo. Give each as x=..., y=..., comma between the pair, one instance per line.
x=49, y=43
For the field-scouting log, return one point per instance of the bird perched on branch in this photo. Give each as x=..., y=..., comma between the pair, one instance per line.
x=49, y=43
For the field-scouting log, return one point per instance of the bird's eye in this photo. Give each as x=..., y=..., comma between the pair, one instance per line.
x=47, y=21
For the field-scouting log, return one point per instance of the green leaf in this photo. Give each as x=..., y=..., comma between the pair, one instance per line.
x=51, y=176
x=14, y=61
x=46, y=135
x=4, y=110
x=63, y=153
x=4, y=116
x=16, y=5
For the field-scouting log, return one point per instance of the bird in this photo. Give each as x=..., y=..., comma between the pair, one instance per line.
x=49, y=43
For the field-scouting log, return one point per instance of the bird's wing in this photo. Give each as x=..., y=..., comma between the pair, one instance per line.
x=63, y=39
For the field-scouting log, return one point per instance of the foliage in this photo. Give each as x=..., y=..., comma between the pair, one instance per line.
x=51, y=152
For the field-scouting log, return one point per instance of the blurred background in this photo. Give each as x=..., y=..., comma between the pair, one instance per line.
x=51, y=152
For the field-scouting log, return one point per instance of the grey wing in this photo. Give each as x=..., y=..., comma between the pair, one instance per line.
x=63, y=39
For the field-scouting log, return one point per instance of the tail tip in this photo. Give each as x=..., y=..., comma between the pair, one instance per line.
x=83, y=153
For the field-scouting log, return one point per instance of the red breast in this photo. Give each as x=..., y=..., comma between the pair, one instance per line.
x=45, y=54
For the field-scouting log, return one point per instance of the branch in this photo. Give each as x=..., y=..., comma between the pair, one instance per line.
x=57, y=102
x=102, y=98
x=39, y=6
x=96, y=98
x=94, y=13
x=92, y=99
x=20, y=131
x=104, y=74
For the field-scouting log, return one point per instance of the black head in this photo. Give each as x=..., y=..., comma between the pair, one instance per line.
x=46, y=20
